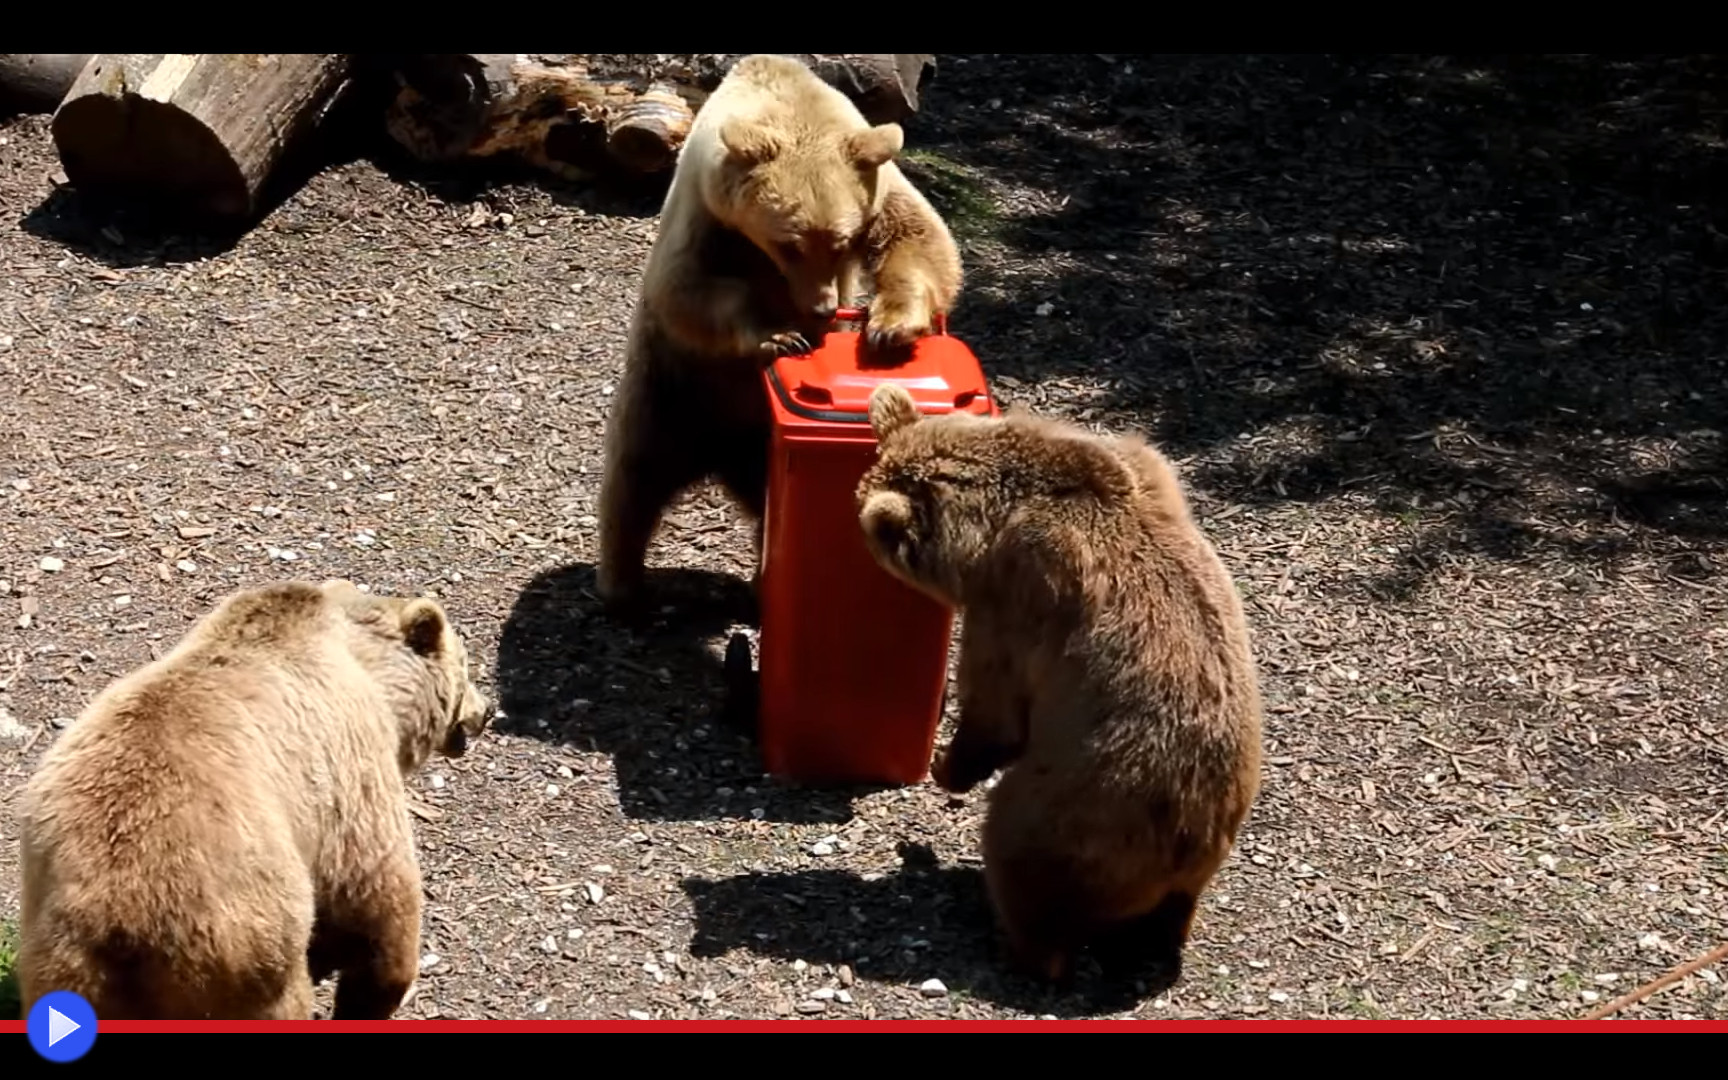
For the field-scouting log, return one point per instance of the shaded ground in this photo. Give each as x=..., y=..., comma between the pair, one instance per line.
x=1438, y=341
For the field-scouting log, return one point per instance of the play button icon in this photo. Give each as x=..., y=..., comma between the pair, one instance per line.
x=61, y=1026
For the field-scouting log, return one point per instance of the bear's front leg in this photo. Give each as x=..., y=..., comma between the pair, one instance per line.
x=993, y=716
x=901, y=312
x=375, y=981
x=916, y=272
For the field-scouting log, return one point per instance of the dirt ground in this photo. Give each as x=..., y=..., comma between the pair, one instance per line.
x=1439, y=344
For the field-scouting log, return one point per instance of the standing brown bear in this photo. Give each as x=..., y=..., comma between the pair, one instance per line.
x=784, y=199
x=227, y=824
x=1105, y=664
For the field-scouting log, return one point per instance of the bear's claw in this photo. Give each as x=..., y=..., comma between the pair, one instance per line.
x=790, y=343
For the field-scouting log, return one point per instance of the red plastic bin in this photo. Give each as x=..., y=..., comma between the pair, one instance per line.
x=853, y=663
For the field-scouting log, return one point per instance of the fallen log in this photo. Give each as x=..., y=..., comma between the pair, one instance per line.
x=36, y=82
x=574, y=114
x=199, y=133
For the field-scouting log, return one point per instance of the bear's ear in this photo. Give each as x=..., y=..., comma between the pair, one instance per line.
x=891, y=408
x=423, y=626
x=748, y=143
x=875, y=147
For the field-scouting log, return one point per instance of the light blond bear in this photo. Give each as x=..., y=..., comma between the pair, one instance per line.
x=227, y=825
x=1105, y=665
x=785, y=203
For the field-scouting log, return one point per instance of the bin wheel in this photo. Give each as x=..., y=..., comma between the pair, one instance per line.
x=742, y=685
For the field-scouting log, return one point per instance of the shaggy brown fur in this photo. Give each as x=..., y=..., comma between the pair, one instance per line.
x=186, y=834
x=784, y=200
x=1105, y=664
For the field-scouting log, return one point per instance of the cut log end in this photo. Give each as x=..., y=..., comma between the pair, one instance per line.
x=645, y=134
x=194, y=134
x=140, y=150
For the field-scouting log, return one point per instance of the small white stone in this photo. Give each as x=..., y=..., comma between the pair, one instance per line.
x=187, y=566
x=826, y=993
x=1589, y=995
x=638, y=1014
x=1547, y=862
x=430, y=961
x=1279, y=996
x=51, y=565
x=844, y=997
x=552, y=790
x=800, y=966
x=550, y=945
x=822, y=849
x=437, y=781
x=595, y=892
x=932, y=988
x=564, y=772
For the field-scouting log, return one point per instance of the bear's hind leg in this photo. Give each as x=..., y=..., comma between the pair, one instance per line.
x=1153, y=941
x=1032, y=884
x=646, y=468
x=296, y=1000
x=376, y=980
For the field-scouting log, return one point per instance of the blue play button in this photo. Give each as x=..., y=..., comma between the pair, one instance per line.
x=62, y=1026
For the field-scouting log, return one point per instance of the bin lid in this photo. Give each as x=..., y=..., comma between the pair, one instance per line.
x=832, y=383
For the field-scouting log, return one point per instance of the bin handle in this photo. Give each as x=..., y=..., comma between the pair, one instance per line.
x=862, y=314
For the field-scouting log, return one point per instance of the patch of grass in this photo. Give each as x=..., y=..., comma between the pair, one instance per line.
x=956, y=192
x=9, y=1003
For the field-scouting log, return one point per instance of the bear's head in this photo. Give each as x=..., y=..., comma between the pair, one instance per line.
x=442, y=708
x=805, y=196
x=944, y=490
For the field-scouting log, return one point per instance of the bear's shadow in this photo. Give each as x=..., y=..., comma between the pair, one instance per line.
x=919, y=923
x=650, y=693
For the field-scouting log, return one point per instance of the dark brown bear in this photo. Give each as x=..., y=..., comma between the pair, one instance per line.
x=1105, y=665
